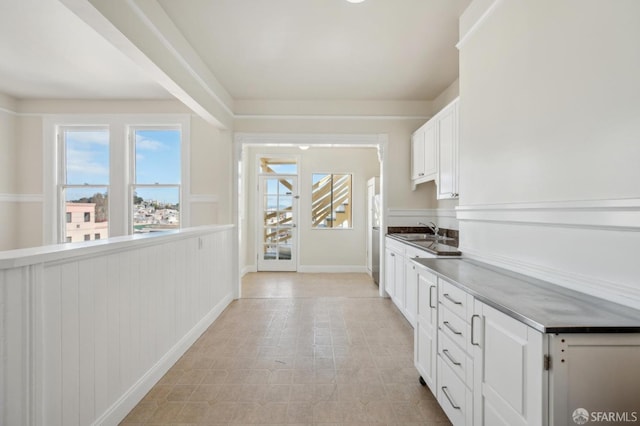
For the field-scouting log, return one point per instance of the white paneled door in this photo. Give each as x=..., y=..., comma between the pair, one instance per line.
x=277, y=230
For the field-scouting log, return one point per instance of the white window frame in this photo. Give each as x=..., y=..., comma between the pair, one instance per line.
x=317, y=228
x=131, y=133
x=120, y=178
x=61, y=181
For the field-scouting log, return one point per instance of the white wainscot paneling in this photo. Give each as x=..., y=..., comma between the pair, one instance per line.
x=444, y=218
x=589, y=246
x=85, y=337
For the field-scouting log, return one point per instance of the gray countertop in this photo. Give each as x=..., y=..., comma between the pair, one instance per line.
x=546, y=307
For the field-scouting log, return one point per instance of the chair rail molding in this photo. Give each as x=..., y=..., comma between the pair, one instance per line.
x=21, y=198
x=615, y=214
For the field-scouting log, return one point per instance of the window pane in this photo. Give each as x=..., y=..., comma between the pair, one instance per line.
x=331, y=201
x=90, y=203
x=285, y=186
x=286, y=166
x=87, y=157
x=156, y=209
x=270, y=252
x=341, y=202
x=157, y=156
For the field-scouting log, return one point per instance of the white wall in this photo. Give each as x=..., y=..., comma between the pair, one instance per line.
x=9, y=204
x=337, y=249
x=211, y=174
x=549, y=150
x=399, y=131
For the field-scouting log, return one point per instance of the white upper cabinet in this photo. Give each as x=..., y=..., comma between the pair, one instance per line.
x=424, y=154
x=434, y=152
x=417, y=155
x=447, y=181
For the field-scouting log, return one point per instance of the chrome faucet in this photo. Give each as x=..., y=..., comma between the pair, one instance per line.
x=434, y=228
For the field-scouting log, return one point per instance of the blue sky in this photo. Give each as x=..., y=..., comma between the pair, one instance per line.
x=157, y=158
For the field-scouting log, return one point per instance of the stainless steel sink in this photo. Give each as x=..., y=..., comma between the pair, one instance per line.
x=422, y=237
x=415, y=237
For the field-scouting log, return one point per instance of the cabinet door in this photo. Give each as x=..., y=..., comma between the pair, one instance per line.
x=399, y=292
x=430, y=151
x=448, y=153
x=425, y=347
x=508, y=370
x=410, y=292
x=390, y=272
x=417, y=155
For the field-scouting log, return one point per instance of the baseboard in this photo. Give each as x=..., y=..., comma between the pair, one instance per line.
x=119, y=410
x=315, y=269
x=607, y=290
x=247, y=269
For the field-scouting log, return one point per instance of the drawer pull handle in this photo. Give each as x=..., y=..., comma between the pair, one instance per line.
x=451, y=299
x=453, y=404
x=431, y=297
x=453, y=330
x=453, y=361
x=473, y=317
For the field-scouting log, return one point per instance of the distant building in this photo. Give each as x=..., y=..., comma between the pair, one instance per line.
x=82, y=225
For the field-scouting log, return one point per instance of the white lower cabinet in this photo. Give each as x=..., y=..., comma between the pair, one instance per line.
x=489, y=369
x=508, y=365
x=454, y=380
x=426, y=330
x=390, y=257
x=401, y=275
x=454, y=396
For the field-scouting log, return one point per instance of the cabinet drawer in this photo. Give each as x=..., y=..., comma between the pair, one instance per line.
x=453, y=396
x=457, y=300
x=454, y=327
x=456, y=358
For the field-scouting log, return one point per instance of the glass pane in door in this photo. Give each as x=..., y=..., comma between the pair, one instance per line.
x=278, y=218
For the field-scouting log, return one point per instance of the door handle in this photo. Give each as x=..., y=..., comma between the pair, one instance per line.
x=473, y=317
x=431, y=297
x=453, y=404
x=451, y=299
x=453, y=330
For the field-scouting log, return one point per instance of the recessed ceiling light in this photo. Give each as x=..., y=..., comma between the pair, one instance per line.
x=355, y=1
x=303, y=147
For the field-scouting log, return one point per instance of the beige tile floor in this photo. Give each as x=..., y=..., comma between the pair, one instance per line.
x=298, y=349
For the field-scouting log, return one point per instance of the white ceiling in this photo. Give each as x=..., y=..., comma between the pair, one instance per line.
x=48, y=52
x=325, y=49
x=257, y=49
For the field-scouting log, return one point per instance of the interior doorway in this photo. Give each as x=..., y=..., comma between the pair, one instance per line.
x=327, y=249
